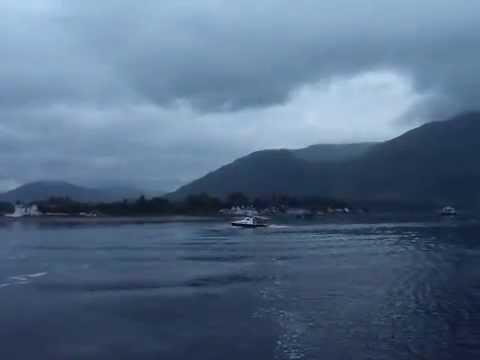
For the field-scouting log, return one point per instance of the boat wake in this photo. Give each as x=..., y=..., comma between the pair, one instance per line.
x=279, y=226
x=22, y=279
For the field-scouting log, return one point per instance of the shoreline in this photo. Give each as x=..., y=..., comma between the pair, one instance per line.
x=109, y=219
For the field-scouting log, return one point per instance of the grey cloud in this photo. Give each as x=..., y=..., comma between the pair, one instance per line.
x=146, y=91
x=121, y=146
x=221, y=56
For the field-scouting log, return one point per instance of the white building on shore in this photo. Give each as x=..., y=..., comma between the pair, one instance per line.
x=22, y=210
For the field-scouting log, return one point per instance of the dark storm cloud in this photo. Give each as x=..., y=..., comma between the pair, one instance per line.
x=154, y=91
x=220, y=56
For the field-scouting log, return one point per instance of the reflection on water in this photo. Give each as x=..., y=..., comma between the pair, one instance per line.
x=389, y=290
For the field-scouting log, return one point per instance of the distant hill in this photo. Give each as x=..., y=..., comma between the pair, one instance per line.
x=263, y=172
x=43, y=190
x=299, y=172
x=435, y=163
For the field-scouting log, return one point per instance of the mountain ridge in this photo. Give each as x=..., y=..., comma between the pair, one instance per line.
x=435, y=162
x=45, y=189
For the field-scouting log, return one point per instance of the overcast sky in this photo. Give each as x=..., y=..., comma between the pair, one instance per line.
x=156, y=93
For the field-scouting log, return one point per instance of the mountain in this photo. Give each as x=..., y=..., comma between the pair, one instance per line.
x=295, y=172
x=43, y=190
x=435, y=163
x=263, y=172
x=333, y=152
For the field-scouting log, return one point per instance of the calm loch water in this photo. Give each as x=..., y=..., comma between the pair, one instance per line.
x=369, y=290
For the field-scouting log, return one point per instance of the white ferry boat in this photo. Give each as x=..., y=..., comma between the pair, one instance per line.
x=251, y=222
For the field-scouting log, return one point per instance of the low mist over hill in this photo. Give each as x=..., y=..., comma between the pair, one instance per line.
x=43, y=190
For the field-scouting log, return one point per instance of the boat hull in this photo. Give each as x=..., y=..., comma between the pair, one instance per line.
x=249, y=225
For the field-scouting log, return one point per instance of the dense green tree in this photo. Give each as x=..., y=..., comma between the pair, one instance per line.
x=237, y=199
x=6, y=208
x=199, y=204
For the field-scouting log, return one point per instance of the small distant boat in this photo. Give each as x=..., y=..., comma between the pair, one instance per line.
x=251, y=222
x=448, y=211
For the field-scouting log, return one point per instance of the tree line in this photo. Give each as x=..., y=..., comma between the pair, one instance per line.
x=200, y=204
